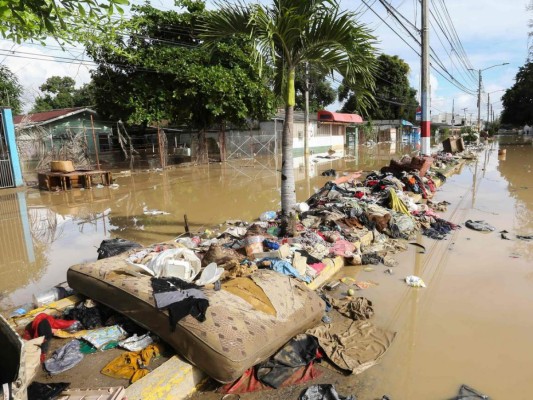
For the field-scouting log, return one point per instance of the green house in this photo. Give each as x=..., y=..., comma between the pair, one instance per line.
x=51, y=132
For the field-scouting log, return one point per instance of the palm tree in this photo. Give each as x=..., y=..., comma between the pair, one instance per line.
x=289, y=33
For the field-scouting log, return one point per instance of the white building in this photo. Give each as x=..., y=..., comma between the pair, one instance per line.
x=327, y=130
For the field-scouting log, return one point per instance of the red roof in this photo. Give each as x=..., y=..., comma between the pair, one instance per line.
x=46, y=115
x=328, y=116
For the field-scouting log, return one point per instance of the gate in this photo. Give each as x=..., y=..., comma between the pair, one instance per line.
x=248, y=145
x=252, y=154
x=6, y=170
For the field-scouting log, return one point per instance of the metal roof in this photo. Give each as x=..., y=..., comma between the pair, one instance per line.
x=328, y=116
x=46, y=117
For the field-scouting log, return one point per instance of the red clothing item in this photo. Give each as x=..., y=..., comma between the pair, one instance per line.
x=318, y=267
x=32, y=330
x=249, y=383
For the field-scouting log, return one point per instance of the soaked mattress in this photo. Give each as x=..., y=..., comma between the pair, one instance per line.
x=236, y=334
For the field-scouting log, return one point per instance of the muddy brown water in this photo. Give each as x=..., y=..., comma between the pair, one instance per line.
x=471, y=325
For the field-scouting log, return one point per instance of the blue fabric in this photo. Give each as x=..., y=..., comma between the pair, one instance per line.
x=285, y=268
x=271, y=244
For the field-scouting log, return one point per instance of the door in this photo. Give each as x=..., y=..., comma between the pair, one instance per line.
x=6, y=170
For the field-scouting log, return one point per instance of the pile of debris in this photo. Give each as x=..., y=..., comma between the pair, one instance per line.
x=349, y=221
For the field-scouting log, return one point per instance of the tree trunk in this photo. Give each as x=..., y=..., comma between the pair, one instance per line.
x=202, y=157
x=222, y=143
x=288, y=191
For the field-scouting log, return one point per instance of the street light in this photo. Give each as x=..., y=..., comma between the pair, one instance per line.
x=479, y=92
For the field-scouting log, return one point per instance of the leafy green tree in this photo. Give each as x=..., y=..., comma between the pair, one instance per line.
x=321, y=94
x=10, y=90
x=60, y=92
x=162, y=73
x=518, y=100
x=289, y=33
x=62, y=19
x=395, y=98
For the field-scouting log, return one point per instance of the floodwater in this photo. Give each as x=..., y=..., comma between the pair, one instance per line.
x=471, y=325
x=43, y=233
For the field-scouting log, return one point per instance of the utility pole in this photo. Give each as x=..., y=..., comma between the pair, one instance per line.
x=479, y=91
x=453, y=114
x=426, y=123
x=488, y=111
x=306, y=111
x=464, y=110
x=478, y=106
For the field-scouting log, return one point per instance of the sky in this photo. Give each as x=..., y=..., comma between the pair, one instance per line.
x=491, y=32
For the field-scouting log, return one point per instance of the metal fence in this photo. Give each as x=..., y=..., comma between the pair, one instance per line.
x=251, y=144
x=150, y=149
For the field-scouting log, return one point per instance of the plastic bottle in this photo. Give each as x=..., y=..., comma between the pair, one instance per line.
x=54, y=294
x=22, y=310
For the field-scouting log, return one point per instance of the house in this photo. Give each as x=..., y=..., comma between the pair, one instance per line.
x=327, y=130
x=389, y=130
x=56, y=126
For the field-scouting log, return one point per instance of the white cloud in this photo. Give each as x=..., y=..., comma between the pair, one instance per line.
x=32, y=65
x=491, y=31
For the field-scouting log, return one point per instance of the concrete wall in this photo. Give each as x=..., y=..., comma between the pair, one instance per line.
x=322, y=136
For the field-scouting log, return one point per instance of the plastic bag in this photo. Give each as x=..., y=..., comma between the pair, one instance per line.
x=180, y=263
x=113, y=247
x=136, y=343
x=415, y=281
x=268, y=216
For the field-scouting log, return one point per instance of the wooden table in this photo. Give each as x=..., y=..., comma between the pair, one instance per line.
x=49, y=180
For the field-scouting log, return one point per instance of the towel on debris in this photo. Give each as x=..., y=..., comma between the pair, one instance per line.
x=354, y=347
x=359, y=308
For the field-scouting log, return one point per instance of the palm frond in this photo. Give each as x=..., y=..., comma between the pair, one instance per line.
x=228, y=20
x=290, y=32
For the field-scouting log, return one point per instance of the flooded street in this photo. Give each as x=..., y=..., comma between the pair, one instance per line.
x=471, y=325
x=44, y=233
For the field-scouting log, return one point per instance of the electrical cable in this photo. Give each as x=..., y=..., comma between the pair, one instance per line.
x=434, y=57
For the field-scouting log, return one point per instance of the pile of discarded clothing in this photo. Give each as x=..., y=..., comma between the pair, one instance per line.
x=58, y=340
x=222, y=289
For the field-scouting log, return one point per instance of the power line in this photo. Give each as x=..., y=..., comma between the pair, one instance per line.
x=434, y=56
x=333, y=79
x=454, y=45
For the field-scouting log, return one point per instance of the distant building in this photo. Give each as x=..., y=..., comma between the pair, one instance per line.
x=327, y=130
x=389, y=130
x=57, y=125
x=446, y=120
